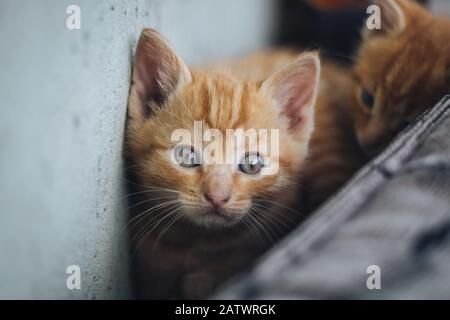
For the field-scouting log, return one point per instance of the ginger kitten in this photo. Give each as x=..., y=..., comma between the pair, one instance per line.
x=195, y=224
x=401, y=70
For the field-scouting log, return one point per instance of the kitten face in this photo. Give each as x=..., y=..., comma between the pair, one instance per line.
x=402, y=70
x=167, y=97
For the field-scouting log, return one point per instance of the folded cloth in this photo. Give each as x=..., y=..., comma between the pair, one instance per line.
x=385, y=235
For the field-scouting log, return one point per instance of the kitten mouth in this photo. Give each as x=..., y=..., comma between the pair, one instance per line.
x=218, y=217
x=219, y=213
x=373, y=150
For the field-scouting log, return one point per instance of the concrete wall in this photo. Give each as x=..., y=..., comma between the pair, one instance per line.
x=63, y=100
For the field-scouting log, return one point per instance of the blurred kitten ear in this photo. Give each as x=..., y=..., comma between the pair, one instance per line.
x=294, y=90
x=393, y=18
x=158, y=72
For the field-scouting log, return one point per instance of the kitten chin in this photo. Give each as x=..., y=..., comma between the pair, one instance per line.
x=216, y=218
x=184, y=200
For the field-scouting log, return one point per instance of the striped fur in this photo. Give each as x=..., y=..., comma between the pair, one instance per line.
x=201, y=250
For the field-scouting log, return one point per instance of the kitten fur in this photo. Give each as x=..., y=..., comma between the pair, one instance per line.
x=401, y=70
x=334, y=153
x=182, y=247
x=404, y=68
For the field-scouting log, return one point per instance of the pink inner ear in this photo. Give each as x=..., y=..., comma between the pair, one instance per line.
x=300, y=97
x=157, y=72
x=294, y=88
x=148, y=66
x=144, y=80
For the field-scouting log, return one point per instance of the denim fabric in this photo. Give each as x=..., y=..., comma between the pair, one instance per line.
x=395, y=214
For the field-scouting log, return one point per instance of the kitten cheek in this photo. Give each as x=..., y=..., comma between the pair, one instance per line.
x=362, y=137
x=361, y=122
x=373, y=142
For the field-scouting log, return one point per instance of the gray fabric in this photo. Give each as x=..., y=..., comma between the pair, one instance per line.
x=395, y=213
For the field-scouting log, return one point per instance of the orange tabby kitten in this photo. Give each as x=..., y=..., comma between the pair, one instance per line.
x=198, y=223
x=401, y=70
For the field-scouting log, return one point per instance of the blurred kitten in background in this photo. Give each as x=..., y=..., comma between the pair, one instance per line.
x=401, y=70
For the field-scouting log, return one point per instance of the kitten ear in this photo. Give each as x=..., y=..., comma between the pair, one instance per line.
x=158, y=72
x=294, y=90
x=393, y=18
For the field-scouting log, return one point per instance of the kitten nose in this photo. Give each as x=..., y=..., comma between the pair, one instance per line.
x=217, y=199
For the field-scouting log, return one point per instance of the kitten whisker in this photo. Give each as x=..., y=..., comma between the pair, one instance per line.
x=154, y=226
x=273, y=219
x=146, y=187
x=163, y=231
x=277, y=222
x=149, y=200
x=160, y=189
x=264, y=227
x=123, y=171
x=139, y=192
x=276, y=203
x=254, y=231
x=278, y=216
x=148, y=211
x=142, y=233
x=153, y=217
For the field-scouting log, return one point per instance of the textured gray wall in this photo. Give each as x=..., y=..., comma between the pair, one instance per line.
x=63, y=102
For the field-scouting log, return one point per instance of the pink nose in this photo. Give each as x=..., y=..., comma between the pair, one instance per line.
x=217, y=199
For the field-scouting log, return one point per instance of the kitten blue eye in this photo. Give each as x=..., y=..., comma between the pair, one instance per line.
x=251, y=164
x=186, y=157
x=367, y=98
